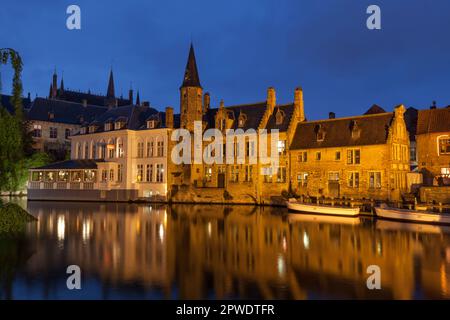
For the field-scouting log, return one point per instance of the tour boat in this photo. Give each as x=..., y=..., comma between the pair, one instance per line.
x=295, y=205
x=384, y=211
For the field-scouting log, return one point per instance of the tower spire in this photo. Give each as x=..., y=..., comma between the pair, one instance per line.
x=138, y=100
x=61, y=86
x=191, y=78
x=110, y=92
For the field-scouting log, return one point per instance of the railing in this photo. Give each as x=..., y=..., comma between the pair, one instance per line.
x=63, y=185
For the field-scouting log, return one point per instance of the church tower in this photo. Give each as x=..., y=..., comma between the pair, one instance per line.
x=191, y=94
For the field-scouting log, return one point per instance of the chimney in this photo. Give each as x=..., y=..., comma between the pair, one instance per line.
x=206, y=102
x=84, y=103
x=298, y=104
x=145, y=103
x=271, y=99
x=29, y=96
x=169, y=117
x=331, y=115
x=434, y=105
x=130, y=96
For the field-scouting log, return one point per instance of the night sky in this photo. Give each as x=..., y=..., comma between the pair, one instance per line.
x=242, y=47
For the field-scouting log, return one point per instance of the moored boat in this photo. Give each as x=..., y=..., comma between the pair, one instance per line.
x=295, y=205
x=384, y=211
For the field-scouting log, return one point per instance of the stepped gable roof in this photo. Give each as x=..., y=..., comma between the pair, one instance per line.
x=433, y=120
x=373, y=130
x=63, y=111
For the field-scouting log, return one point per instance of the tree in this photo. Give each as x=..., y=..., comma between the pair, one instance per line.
x=16, y=155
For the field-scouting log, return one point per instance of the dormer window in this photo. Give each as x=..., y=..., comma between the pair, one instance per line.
x=108, y=126
x=151, y=124
x=92, y=129
x=320, y=133
x=356, y=131
x=51, y=115
x=279, y=117
x=241, y=120
x=118, y=125
x=83, y=130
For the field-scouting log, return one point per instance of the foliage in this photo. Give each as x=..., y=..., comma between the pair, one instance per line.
x=13, y=218
x=16, y=155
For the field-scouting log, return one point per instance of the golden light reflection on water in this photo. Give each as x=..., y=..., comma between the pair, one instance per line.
x=187, y=251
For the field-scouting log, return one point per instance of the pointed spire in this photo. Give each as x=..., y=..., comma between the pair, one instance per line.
x=61, y=86
x=191, y=78
x=110, y=92
x=138, y=100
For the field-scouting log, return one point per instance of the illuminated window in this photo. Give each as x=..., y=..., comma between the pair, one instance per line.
x=281, y=146
x=37, y=131
x=140, y=173
x=108, y=126
x=302, y=179
x=120, y=151
x=444, y=145
x=208, y=174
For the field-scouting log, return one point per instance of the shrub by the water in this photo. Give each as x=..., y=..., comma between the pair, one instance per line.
x=13, y=218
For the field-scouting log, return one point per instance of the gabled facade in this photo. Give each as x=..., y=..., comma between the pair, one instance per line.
x=357, y=157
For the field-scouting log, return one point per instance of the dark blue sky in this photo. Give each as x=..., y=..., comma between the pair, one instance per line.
x=242, y=47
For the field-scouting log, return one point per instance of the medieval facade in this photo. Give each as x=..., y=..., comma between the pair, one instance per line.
x=126, y=152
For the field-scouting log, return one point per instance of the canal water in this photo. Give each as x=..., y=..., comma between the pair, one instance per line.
x=139, y=251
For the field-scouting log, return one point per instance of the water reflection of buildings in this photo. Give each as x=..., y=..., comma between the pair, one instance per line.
x=199, y=251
